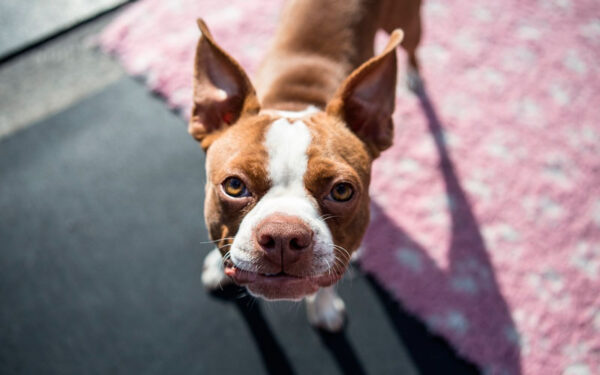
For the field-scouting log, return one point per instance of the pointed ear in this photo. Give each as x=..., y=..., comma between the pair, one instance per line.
x=366, y=99
x=222, y=91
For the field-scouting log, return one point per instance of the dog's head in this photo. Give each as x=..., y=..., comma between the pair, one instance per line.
x=287, y=192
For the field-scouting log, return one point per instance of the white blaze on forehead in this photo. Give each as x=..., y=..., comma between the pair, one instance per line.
x=286, y=144
x=310, y=110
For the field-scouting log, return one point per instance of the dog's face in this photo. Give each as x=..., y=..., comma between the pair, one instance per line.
x=287, y=192
x=289, y=196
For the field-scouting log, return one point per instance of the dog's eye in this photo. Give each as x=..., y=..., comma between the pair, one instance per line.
x=234, y=187
x=341, y=192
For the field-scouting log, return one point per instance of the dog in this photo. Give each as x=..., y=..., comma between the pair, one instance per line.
x=288, y=164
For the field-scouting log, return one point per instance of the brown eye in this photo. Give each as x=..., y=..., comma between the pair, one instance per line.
x=341, y=192
x=234, y=187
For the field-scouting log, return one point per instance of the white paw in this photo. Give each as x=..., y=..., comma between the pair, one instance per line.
x=356, y=255
x=414, y=80
x=326, y=310
x=213, y=273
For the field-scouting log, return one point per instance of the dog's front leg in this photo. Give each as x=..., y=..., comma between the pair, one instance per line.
x=213, y=272
x=326, y=310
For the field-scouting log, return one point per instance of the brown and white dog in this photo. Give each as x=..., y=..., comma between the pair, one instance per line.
x=288, y=165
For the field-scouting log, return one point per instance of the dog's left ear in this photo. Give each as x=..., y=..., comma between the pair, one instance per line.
x=222, y=91
x=366, y=99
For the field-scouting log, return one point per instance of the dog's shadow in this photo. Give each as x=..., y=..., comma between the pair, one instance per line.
x=273, y=356
x=481, y=316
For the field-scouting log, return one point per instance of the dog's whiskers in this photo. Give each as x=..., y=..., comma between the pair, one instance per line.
x=216, y=241
x=326, y=217
x=344, y=251
x=225, y=246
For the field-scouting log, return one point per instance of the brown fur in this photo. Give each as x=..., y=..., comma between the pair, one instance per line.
x=238, y=151
x=318, y=44
x=337, y=154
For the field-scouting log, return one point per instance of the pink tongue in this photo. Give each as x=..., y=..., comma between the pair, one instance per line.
x=240, y=276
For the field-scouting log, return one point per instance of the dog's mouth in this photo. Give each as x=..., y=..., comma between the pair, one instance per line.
x=279, y=285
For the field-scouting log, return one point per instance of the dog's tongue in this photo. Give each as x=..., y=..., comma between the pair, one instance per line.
x=240, y=276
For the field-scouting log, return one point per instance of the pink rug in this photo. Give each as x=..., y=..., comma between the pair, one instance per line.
x=486, y=213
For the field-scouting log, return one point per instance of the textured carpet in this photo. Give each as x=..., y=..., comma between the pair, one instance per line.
x=486, y=212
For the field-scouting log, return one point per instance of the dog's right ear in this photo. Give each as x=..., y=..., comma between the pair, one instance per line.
x=222, y=91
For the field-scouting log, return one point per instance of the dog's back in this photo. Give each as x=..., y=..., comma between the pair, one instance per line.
x=318, y=43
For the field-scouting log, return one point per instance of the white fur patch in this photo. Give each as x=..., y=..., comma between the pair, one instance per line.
x=213, y=274
x=310, y=110
x=287, y=144
x=326, y=310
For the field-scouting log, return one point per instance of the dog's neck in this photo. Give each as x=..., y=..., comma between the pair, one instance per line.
x=310, y=58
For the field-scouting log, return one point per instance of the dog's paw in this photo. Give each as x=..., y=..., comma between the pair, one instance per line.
x=213, y=273
x=414, y=82
x=356, y=255
x=326, y=310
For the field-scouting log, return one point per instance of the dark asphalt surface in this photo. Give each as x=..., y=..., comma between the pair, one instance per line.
x=100, y=257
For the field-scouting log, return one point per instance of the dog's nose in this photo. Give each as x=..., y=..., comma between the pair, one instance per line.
x=284, y=239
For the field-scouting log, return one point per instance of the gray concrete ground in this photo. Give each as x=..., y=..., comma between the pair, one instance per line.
x=25, y=22
x=102, y=241
x=53, y=76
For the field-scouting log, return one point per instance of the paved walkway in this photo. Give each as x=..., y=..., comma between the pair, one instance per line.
x=27, y=22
